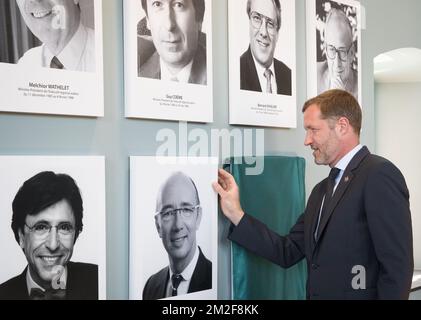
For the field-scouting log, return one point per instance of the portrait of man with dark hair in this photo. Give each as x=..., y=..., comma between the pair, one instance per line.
x=171, y=44
x=47, y=220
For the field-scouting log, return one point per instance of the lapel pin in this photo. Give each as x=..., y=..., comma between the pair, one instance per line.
x=346, y=179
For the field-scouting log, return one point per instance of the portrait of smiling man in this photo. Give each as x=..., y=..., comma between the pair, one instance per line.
x=177, y=219
x=67, y=44
x=337, y=72
x=46, y=222
x=175, y=48
x=259, y=70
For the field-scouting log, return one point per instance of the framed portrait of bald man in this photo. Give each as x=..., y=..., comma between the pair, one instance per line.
x=51, y=55
x=334, y=46
x=52, y=228
x=262, y=63
x=173, y=228
x=168, y=60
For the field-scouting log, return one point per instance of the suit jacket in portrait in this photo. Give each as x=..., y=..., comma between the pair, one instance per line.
x=149, y=65
x=367, y=223
x=82, y=284
x=156, y=286
x=250, y=79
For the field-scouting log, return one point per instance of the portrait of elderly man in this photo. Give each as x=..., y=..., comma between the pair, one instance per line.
x=46, y=221
x=177, y=219
x=175, y=49
x=337, y=72
x=259, y=70
x=67, y=44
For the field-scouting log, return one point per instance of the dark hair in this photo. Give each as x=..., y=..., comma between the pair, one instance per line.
x=337, y=103
x=278, y=11
x=42, y=191
x=199, y=8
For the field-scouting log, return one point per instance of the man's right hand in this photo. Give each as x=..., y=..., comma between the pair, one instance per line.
x=227, y=189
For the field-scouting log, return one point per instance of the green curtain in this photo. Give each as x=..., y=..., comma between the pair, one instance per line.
x=277, y=198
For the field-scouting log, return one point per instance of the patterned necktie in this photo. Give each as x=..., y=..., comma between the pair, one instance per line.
x=56, y=64
x=176, y=279
x=38, y=294
x=268, y=76
x=328, y=196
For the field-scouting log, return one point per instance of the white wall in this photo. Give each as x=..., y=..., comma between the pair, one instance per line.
x=398, y=134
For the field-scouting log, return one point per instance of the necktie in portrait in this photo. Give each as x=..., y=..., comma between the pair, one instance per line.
x=176, y=279
x=56, y=64
x=38, y=294
x=268, y=76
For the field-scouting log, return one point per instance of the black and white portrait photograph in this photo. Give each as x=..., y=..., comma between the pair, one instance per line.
x=52, y=228
x=334, y=42
x=168, y=59
x=53, y=49
x=173, y=228
x=262, y=62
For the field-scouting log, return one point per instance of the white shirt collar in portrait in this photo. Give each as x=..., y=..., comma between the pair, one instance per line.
x=182, y=76
x=261, y=73
x=31, y=284
x=187, y=274
x=78, y=55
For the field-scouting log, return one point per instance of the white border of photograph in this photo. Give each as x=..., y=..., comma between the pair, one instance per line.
x=260, y=108
x=147, y=254
x=312, y=26
x=158, y=99
x=89, y=175
x=59, y=92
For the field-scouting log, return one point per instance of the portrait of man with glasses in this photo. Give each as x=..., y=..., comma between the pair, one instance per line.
x=177, y=220
x=337, y=70
x=46, y=222
x=259, y=70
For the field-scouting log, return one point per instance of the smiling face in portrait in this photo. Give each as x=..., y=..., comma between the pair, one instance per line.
x=53, y=22
x=46, y=248
x=263, y=31
x=339, y=49
x=178, y=218
x=174, y=30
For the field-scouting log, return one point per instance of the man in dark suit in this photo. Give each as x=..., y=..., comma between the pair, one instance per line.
x=46, y=221
x=259, y=70
x=356, y=232
x=174, y=51
x=177, y=220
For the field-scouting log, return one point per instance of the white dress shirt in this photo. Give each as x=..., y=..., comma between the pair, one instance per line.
x=31, y=284
x=186, y=274
x=262, y=79
x=182, y=76
x=77, y=55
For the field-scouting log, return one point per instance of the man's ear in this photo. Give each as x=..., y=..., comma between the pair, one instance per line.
x=199, y=217
x=21, y=239
x=158, y=226
x=343, y=125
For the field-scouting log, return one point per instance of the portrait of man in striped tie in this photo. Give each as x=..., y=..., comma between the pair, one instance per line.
x=259, y=70
x=177, y=220
x=67, y=44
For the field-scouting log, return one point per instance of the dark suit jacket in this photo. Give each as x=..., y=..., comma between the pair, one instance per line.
x=250, y=79
x=156, y=285
x=150, y=67
x=82, y=284
x=368, y=223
